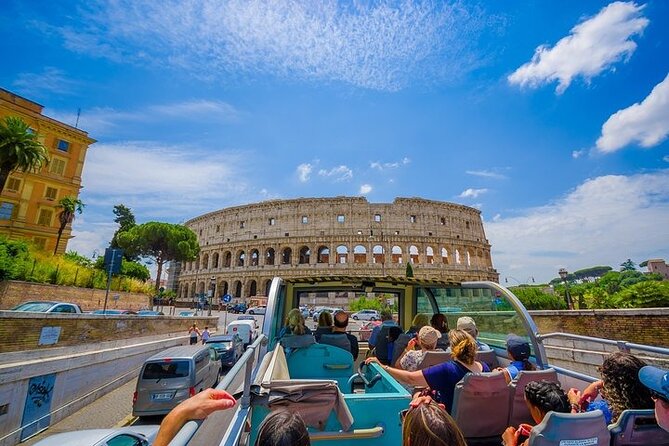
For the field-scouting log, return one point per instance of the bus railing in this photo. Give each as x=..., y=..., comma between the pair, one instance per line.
x=245, y=363
x=623, y=346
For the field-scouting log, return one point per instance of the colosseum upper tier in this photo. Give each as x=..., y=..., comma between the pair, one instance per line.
x=244, y=247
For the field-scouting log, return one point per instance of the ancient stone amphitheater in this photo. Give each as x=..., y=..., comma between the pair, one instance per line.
x=244, y=247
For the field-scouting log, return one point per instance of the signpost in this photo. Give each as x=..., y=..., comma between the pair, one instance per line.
x=227, y=298
x=113, y=258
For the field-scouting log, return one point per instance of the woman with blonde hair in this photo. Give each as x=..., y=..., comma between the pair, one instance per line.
x=294, y=324
x=443, y=377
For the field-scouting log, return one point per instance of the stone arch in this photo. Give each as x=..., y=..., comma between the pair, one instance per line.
x=214, y=260
x=200, y=288
x=377, y=254
x=252, y=287
x=255, y=258
x=223, y=286
x=458, y=260
x=270, y=254
x=444, y=256
x=359, y=254
x=240, y=258
x=305, y=255
x=429, y=255
x=413, y=254
x=237, y=288
x=396, y=254
x=468, y=258
x=227, y=259
x=286, y=256
x=205, y=261
x=323, y=254
x=342, y=254
x=184, y=291
x=266, y=287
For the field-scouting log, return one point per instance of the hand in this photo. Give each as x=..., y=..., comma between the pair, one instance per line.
x=590, y=393
x=425, y=399
x=411, y=344
x=510, y=436
x=574, y=396
x=372, y=359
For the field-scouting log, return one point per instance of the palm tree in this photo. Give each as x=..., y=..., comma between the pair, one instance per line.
x=19, y=148
x=69, y=206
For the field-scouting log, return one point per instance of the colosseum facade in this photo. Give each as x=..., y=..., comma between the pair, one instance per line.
x=244, y=247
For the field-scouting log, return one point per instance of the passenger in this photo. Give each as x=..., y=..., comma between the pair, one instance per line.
x=340, y=324
x=541, y=398
x=657, y=380
x=283, y=428
x=378, y=344
x=442, y=378
x=420, y=320
x=619, y=387
x=294, y=324
x=324, y=325
x=193, y=333
x=205, y=335
x=426, y=423
x=519, y=353
x=426, y=341
x=467, y=324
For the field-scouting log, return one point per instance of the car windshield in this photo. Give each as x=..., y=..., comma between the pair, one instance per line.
x=34, y=306
x=221, y=345
x=166, y=370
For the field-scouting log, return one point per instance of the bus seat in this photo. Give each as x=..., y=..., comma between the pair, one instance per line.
x=481, y=403
x=519, y=412
x=434, y=357
x=337, y=340
x=489, y=357
x=636, y=428
x=321, y=361
x=571, y=429
x=297, y=341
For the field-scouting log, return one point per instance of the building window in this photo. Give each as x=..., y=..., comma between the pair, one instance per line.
x=8, y=210
x=467, y=224
x=45, y=217
x=397, y=232
x=341, y=218
x=57, y=166
x=305, y=219
x=377, y=218
x=218, y=228
x=242, y=224
x=272, y=221
x=51, y=193
x=443, y=221
x=13, y=184
x=40, y=242
x=62, y=145
x=412, y=218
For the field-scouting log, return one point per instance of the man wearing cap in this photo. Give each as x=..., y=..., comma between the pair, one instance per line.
x=519, y=353
x=657, y=380
x=378, y=339
x=467, y=324
x=426, y=339
x=339, y=329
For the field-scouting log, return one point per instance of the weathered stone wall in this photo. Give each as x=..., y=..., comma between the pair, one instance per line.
x=13, y=292
x=21, y=331
x=244, y=247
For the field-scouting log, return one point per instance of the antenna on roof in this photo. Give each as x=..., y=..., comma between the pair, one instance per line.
x=76, y=124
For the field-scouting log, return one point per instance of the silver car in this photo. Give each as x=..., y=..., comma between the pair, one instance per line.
x=48, y=307
x=127, y=436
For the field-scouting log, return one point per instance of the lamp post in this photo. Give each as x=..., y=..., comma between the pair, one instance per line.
x=567, y=297
x=212, y=287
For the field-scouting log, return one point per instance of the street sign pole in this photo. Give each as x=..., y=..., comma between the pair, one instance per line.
x=113, y=258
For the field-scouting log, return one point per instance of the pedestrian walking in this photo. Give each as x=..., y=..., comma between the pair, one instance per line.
x=205, y=334
x=193, y=332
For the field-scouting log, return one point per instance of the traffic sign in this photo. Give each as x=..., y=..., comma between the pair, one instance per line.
x=227, y=298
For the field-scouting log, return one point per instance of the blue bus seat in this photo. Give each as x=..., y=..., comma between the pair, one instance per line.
x=321, y=361
x=638, y=428
x=481, y=404
x=336, y=340
x=571, y=429
x=489, y=357
x=518, y=410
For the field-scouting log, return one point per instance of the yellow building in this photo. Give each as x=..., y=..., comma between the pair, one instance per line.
x=28, y=201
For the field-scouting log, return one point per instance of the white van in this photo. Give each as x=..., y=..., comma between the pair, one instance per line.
x=244, y=329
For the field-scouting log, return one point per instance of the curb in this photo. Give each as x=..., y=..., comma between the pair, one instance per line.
x=127, y=421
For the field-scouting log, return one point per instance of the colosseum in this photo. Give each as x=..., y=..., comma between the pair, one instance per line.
x=244, y=247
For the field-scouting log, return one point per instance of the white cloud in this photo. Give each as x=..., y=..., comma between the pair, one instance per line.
x=592, y=47
x=51, y=80
x=378, y=45
x=486, y=174
x=393, y=165
x=646, y=123
x=603, y=221
x=339, y=173
x=365, y=189
x=666, y=159
x=576, y=154
x=472, y=193
x=304, y=171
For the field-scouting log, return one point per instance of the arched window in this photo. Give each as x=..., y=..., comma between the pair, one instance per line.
x=396, y=254
x=377, y=254
x=305, y=255
x=342, y=254
x=359, y=254
x=184, y=291
x=429, y=255
x=205, y=261
x=269, y=256
x=457, y=256
x=214, y=260
x=253, y=288
x=444, y=255
x=255, y=255
x=227, y=259
x=223, y=287
x=286, y=256
x=469, y=258
x=237, y=289
x=241, y=257
x=323, y=254
x=413, y=254
x=268, y=284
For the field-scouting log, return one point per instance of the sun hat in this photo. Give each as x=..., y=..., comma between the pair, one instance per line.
x=428, y=335
x=656, y=379
x=518, y=347
x=466, y=323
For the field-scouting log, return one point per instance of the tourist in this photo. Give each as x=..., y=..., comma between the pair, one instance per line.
x=193, y=333
x=340, y=325
x=378, y=341
x=324, y=324
x=440, y=323
x=419, y=321
x=283, y=428
x=294, y=324
x=518, y=350
x=541, y=397
x=619, y=387
x=443, y=377
x=426, y=423
x=205, y=335
x=657, y=380
x=467, y=324
x=410, y=359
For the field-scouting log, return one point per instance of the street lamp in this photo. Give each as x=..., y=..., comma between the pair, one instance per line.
x=563, y=275
x=211, y=292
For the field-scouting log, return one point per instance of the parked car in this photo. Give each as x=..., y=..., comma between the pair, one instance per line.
x=113, y=312
x=186, y=313
x=134, y=436
x=150, y=313
x=330, y=310
x=48, y=307
x=246, y=330
x=257, y=310
x=229, y=348
x=366, y=315
x=248, y=317
x=239, y=308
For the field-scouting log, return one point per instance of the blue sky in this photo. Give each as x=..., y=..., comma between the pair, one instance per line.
x=550, y=117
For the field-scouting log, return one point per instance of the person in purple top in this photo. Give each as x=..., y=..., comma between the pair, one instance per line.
x=443, y=377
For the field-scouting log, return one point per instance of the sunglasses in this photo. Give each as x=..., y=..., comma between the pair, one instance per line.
x=658, y=396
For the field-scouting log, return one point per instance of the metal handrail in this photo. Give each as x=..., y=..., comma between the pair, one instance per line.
x=622, y=345
x=189, y=429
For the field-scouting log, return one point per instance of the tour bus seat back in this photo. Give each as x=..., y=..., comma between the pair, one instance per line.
x=636, y=428
x=336, y=340
x=519, y=412
x=571, y=429
x=481, y=404
x=489, y=357
x=297, y=341
x=433, y=358
x=321, y=361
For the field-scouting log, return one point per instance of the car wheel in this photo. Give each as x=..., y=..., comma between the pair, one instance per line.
x=373, y=319
x=355, y=318
x=251, y=312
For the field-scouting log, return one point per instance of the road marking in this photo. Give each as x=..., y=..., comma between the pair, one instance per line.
x=127, y=421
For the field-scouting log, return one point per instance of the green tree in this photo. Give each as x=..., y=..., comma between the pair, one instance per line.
x=19, y=148
x=409, y=270
x=69, y=206
x=628, y=265
x=126, y=220
x=11, y=251
x=643, y=264
x=135, y=270
x=77, y=258
x=365, y=303
x=645, y=294
x=160, y=242
x=535, y=299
